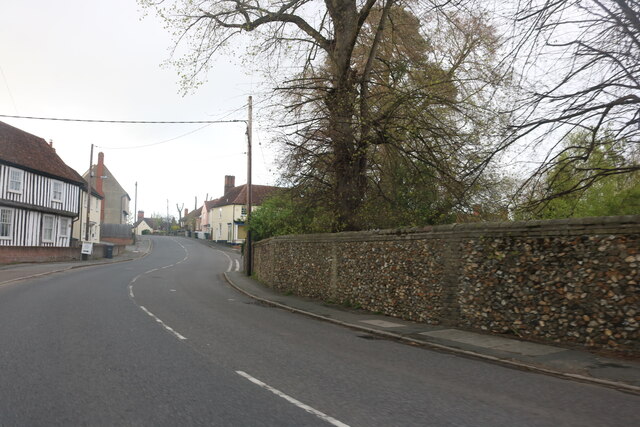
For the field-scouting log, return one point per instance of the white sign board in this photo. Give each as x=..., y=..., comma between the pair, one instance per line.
x=87, y=248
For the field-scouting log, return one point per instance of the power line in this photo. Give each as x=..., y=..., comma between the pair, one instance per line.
x=124, y=121
x=156, y=143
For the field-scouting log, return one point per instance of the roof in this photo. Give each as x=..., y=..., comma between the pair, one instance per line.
x=193, y=214
x=238, y=195
x=109, y=175
x=21, y=149
x=211, y=204
x=151, y=222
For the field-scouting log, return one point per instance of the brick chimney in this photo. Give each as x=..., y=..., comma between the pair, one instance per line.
x=229, y=183
x=99, y=179
x=186, y=212
x=140, y=215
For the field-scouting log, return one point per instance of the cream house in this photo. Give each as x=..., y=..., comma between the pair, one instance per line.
x=142, y=227
x=79, y=231
x=227, y=215
x=145, y=225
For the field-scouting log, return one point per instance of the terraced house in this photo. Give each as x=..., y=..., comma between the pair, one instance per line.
x=39, y=193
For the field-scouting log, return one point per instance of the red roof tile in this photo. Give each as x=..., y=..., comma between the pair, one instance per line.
x=21, y=149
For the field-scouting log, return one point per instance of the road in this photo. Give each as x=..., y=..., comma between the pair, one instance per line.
x=164, y=341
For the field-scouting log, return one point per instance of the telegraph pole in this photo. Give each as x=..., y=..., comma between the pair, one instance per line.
x=86, y=232
x=136, y=203
x=248, y=250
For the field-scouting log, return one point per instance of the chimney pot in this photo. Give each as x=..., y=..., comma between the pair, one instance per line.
x=140, y=214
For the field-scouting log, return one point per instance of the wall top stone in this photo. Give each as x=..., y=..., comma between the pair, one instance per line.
x=625, y=224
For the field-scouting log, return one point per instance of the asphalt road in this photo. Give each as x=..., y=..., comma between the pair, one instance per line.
x=165, y=341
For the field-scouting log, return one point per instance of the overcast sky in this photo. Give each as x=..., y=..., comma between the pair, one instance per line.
x=92, y=59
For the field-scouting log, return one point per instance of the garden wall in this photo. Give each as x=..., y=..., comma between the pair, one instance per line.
x=572, y=281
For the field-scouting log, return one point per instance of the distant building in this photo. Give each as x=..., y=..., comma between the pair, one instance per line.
x=115, y=206
x=39, y=193
x=148, y=225
x=191, y=220
x=227, y=214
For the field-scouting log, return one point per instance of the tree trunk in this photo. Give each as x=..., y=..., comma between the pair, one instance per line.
x=349, y=162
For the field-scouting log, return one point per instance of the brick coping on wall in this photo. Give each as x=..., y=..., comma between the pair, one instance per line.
x=554, y=227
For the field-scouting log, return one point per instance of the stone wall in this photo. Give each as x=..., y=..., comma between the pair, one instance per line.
x=570, y=281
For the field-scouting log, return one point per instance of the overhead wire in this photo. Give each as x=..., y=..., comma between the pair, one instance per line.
x=207, y=123
x=124, y=121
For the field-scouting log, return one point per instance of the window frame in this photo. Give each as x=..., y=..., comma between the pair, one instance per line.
x=10, y=223
x=11, y=180
x=66, y=233
x=53, y=191
x=44, y=228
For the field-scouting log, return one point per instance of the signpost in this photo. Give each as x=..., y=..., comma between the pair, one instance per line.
x=87, y=248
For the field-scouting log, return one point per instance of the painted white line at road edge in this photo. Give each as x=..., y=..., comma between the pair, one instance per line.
x=290, y=399
x=164, y=325
x=237, y=265
x=229, y=258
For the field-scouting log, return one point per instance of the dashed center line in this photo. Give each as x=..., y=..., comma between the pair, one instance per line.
x=143, y=308
x=164, y=325
x=290, y=399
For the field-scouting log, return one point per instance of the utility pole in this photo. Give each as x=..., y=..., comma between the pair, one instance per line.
x=248, y=250
x=86, y=233
x=136, y=202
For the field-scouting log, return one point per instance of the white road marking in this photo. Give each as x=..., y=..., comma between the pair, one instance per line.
x=164, y=325
x=290, y=399
x=143, y=308
x=186, y=252
x=237, y=265
x=230, y=260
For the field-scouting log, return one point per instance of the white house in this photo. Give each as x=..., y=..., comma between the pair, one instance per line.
x=39, y=193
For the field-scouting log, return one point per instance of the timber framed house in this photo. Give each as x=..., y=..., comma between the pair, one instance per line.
x=39, y=193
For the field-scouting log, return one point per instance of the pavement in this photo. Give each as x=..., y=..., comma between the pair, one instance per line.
x=569, y=363
x=16, y=272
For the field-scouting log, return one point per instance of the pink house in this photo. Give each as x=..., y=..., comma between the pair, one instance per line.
x=205, y=225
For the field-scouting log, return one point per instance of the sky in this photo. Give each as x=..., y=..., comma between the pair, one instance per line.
x=92, y=59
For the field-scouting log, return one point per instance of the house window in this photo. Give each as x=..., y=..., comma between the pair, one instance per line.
x=16, y=180
x=47, y=228
x=56, y=191
x=6, y=222
x=243, y=211
x=64, y=227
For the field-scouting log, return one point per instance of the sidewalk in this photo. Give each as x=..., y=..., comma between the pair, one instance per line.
x=552, y=360
x=15, y=272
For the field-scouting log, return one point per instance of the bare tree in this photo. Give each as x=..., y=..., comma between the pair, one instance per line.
x=585, y=58
x=180, y=210
x=336, y=45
